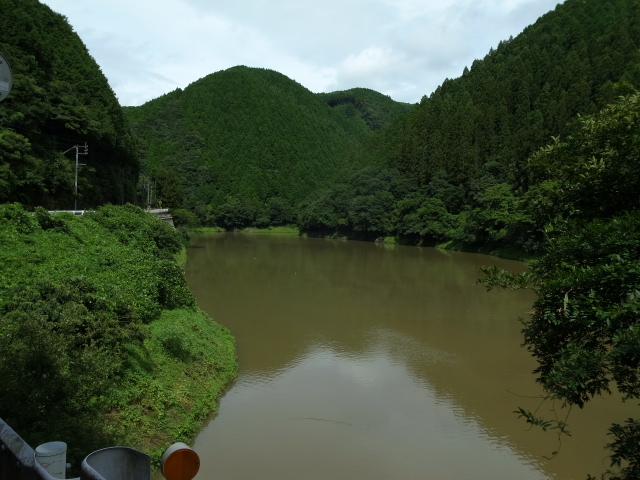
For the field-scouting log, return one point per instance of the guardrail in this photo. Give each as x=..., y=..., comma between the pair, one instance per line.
x=74, y=212
x=17, y=458
x=157, y=210
x=82, y=212
x=161, y=213
x=18, y=461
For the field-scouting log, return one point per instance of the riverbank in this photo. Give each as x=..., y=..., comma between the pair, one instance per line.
x=173, y=383
x=286, y=230
x=100, y=305
x=511, y=253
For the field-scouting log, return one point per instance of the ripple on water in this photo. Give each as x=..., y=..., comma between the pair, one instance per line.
x=347, y=415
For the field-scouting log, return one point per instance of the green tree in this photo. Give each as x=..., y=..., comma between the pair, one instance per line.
x=500, y=215
x=423, y=220
x=584, y=330
x=372, y=215
x=60, y=99
x=326, y=211
x=169, y=189
x=235, y=213
x=184, y=218
x=280, y=211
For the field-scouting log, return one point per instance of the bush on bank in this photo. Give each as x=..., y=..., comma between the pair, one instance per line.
x=101, y=342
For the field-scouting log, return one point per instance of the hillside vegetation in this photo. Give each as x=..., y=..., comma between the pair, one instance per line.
x=456, y=165
x=376, y=109
x=245, y=146
x=60, y=98
x=584, y=326
x=101, y=343
x=534, y=148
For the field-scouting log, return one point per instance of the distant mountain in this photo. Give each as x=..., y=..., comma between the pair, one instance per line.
x=247, y=145
x=376, y=109
x=60, y=98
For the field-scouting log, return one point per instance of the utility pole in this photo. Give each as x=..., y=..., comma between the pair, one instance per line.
x=86, y=152
x=78, y=152
x=148, y=188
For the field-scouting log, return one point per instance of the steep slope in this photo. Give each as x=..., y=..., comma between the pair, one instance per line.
x=573, y=60
x=247, y=144
x=60, y=99
x=457, y=163
x=95, y=319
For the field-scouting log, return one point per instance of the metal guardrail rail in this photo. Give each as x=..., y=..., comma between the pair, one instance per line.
x=73, y=212
x=18, y=461
x=155, y=211
x=161, y=213
x=17, y=458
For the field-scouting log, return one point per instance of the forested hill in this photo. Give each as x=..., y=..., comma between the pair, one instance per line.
x=456, y=165
x=573, y=60
x=376, y=109
x=60, y=98
x=246, y=145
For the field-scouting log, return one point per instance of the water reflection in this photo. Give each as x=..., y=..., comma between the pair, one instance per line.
x=360, y=361
x=377, y=420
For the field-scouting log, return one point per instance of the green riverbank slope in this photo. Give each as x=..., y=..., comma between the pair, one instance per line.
x=101, y=342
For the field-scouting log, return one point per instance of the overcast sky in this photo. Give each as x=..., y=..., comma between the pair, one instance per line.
x=402, y=48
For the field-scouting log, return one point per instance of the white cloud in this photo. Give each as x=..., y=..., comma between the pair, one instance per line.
x=380, y=68
x=402, y=48
x=372, y=61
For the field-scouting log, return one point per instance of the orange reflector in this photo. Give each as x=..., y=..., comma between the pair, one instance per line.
x=180, y=462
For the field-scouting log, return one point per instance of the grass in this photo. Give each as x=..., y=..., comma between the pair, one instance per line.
x=181, y=257
x=207, y=230
x=173, y=381
x=106, y=294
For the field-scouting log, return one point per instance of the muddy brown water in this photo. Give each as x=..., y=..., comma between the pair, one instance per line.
x=369, y=361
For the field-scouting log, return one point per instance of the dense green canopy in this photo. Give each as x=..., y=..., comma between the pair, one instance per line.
x=247, y=145
x=462, y=152
x=60, y=98
x=534, y=147
x=585, y=326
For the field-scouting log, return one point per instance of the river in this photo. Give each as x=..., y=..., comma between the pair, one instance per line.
x=372, y=361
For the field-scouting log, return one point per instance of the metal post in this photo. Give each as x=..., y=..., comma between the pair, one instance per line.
x=75, y=200
x=86, y=152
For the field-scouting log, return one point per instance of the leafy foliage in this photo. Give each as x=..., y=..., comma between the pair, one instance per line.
x=626, y=449
x=585, y=326
x=591, y=173
x=79, y=302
